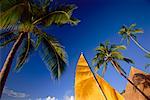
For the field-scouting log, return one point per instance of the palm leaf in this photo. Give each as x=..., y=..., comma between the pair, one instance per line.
x=101, y=48
x=53, y=55
x=117, y=55
x=10, y=18
x=8, y=4
x=128, y=60
x=123, y=30
x=104, y=68
x=6, y=38
x=61, y=15
x=118, y=47
x=148, y=56
x=135, y=31
x=132, y=26
x=98, y=64
x=59, y=18
x=26, y=49
x=67, y=8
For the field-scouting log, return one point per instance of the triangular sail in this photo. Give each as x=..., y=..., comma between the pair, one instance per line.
x=86, y=87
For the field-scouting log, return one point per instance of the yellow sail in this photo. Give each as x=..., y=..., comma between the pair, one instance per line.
x=86, y=87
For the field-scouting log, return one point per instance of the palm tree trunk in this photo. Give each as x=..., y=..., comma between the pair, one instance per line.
x=113, y=63
x=146, y=51
x=7, y=65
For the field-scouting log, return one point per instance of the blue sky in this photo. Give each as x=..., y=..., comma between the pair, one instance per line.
x=100, y=21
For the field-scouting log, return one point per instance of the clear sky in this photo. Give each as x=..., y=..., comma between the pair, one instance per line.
x=100, y=21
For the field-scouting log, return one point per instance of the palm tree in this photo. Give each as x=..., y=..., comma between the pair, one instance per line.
x=130, y=33
x=22, y=22
x=107, y=53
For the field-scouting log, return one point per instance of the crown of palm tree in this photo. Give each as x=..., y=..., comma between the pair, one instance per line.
x=107, y=53
x=126, y=32
x=29, y=17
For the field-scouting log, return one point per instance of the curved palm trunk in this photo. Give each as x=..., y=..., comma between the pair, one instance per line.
x=7, y=65
x=146, y=51
x=113, y=63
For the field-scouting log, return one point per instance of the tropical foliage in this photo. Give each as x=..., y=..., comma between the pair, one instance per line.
x=107, y=53
x=131, y=32
x=22, y=23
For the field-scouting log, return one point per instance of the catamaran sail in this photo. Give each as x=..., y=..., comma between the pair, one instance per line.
x=88, y=87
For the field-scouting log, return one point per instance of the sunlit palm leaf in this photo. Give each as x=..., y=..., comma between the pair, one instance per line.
x=59, y=18
x=118, y=47
x=54, y=55
x=101, y=48
x=135, y=31
x=132, y=26
x=131, y=31
x=123, y=30
x=117, y=55
x=67, y=8
x=109, y=53
x=26, y=49
x=10, y=18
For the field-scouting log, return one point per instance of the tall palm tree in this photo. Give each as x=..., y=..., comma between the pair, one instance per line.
x=22, y=22
x=130, y=33
x=107, y=53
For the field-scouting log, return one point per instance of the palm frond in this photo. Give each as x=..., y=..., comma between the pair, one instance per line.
x=8, y=4
x=126, y=32
x=10, y=18
x=135, y=31
x=25, y=27
x=122, y=30
x=132, y=26
x=128, y=60
x=118, y=47
x=148, y=55
x=53, y=55
x=26, y=49
x=128, y=40
x=104, y=68
x=98, y=64
x=6, y=38
x=101, y=48
x=117, y=55
x=59, y=18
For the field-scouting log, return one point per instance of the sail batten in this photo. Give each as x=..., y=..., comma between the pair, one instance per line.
x=87, y=88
